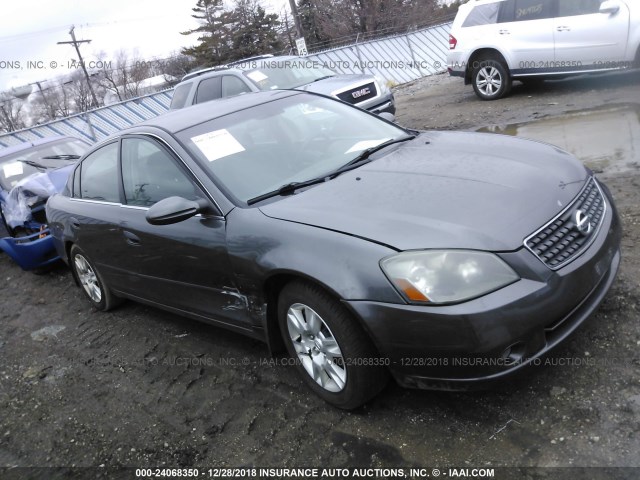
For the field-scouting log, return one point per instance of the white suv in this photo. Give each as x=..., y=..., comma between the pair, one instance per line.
x=495, y=41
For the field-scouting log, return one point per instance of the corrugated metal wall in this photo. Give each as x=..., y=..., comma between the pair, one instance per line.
x=397, y=59
x=96, y=124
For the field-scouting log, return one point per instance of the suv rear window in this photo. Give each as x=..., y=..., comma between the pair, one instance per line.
x=482, y=15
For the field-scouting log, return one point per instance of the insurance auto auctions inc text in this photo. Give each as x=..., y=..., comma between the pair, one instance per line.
x=342, y=473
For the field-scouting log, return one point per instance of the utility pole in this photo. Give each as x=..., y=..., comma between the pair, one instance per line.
x=75, y=43
x=296, y=18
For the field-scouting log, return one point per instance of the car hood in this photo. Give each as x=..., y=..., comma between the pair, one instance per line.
x=32, y=191
x=444, y=190
x=336, y=83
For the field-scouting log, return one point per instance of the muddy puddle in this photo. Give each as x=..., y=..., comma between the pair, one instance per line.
x=607, y=140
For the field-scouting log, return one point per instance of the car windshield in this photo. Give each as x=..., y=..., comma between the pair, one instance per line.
x=284, y=74
x=18, y=166
x=293, y=139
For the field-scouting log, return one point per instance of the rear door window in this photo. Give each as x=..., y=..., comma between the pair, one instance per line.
x=525, y=10
x=99, y=175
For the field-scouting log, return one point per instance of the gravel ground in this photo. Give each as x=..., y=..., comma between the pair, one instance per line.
x=140, y=387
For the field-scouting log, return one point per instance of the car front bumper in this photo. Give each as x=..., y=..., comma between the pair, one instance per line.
x=32, y=251
x=472, y=344
x=379, y=104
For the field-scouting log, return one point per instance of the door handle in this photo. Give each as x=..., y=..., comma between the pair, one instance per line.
x=563, y=28
x=74, y=222
x=132, y=239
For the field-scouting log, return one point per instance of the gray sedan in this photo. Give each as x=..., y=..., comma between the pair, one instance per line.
x=446, y=260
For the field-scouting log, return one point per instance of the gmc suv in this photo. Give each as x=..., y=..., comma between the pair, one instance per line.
x=493, y=42
x=285, y=72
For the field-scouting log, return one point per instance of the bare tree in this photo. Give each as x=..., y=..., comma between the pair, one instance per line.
x=125, y=78
x=11, y=114
x=81, y=94
x=175, y=67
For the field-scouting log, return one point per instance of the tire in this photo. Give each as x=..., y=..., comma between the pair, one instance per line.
x=91, y=281
x=491, y=79
x=316, y=328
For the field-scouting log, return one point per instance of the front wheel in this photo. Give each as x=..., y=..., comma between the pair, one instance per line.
x=333, y=354
x=491, y=79
x=91, y=281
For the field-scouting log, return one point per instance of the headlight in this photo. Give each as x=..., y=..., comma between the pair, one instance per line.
x=382, y=83
x=446, y=276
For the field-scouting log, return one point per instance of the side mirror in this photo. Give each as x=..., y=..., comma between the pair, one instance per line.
x=174, y=210
x=389, y=117
x=609, y=7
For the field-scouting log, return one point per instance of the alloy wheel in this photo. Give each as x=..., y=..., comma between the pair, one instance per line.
x=88, y=278
x=489, y=80
x=316, y=347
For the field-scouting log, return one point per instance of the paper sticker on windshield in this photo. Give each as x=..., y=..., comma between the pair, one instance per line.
x=12, y=169
x=257, y=76
x=363, y=145
x=217, y=144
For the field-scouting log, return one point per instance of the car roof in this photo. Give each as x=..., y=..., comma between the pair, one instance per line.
x=177, y=120
x=34, y=143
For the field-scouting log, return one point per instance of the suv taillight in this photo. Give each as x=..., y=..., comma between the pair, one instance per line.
x=452, y=42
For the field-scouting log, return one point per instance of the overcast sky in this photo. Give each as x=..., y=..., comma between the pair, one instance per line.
x=29, y=30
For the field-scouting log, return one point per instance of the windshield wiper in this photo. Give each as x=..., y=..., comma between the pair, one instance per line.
x=34, y=164
x=62, y=157
x=288, y=188
x=322, y=78
x=363, y=157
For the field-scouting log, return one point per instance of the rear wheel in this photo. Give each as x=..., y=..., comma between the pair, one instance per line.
x=91, y=281
x=490, y=79
x=334, y=355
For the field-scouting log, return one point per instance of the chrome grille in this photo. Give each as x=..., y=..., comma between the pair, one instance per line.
x=570, y=233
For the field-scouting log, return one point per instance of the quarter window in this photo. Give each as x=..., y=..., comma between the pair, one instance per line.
x=150, y=174
x=76, y=183
x=482, y=15
x=99, y=175
x=569, y=8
